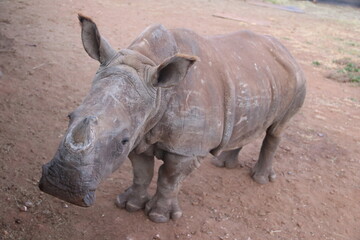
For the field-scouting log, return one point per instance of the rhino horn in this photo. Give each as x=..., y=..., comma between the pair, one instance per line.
x=82, y=133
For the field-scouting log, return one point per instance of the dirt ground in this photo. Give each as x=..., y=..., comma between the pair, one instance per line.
x=45, y=73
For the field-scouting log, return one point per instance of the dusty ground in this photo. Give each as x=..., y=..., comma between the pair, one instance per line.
x=45, y=73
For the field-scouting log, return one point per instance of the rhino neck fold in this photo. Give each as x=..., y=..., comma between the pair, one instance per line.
x=143, y=142
x=229, y=114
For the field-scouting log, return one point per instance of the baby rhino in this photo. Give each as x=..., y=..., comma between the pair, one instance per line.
x=176, y=96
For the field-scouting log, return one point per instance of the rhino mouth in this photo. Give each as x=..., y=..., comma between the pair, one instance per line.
x=85, y=198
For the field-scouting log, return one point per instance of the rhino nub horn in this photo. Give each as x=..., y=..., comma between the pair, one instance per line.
x=81, y=135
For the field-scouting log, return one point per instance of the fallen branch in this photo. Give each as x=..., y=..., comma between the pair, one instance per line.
x=239, y=19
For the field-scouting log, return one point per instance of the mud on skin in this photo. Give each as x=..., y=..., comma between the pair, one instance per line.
x=177, y=96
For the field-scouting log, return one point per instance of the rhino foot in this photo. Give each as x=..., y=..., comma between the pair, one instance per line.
x=229, y=163
x=227, y=159
x=161, y=209
x=132, y=200
x=263, y=176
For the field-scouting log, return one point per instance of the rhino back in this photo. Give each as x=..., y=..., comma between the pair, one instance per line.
x=242, y=84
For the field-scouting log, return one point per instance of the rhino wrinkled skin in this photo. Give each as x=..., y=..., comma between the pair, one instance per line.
x=176, y=96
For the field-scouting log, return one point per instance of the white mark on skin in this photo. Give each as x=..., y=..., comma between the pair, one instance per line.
x=210, y=63
x=256, y=67
x=143, y=43
x=195, y=67
x=242, y=119
x=158, y=33
x=202, y=81
x=110, y=95
x=244, y=85
x=187, y=97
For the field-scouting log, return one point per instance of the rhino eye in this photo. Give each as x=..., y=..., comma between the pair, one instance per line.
x=124, y=141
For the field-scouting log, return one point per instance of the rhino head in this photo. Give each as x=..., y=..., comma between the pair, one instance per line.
x=125, y=96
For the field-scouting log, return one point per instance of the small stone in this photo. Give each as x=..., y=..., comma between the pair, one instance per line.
x=226, y=236
x=23, y=208
x=65, y=205
x=46, y=212
x=320, y=117
x=286, y=148
x=320, y=134
x=262, y=213
x=195, y=202
x=290, y=173
x=17, y=221
x=156, y=237
x=29, y=204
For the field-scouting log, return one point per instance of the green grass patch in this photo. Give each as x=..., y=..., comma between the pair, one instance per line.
x=351, y=67
x=355, y=79
x=348, y=71
x=316, y=63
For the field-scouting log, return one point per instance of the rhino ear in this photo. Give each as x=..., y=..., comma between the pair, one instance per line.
x=172, y=70
x=96, y=46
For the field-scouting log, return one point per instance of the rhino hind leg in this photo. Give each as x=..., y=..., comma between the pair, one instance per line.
x=164, y=205
x=135, y=197
x=227, y=159
x=263, y=171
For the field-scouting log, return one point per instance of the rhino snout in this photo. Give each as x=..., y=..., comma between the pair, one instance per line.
x=49, y=183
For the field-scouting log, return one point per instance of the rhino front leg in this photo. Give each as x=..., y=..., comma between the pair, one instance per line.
x=164, y=205
x=263, y=170
x=136, y=196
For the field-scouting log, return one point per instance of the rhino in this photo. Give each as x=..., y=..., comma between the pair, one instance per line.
x=178, y=97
